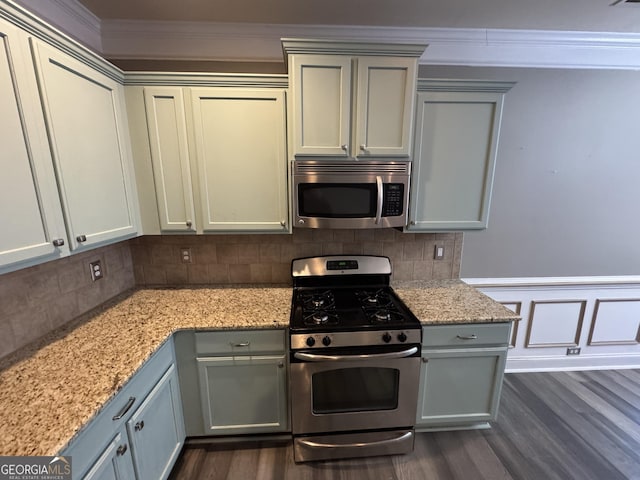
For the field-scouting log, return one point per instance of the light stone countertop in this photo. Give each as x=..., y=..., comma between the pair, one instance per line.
x=51, y=389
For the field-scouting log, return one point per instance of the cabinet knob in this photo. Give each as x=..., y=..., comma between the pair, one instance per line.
x=58, y=242
x=81, y=238
x=283, y=223
x=425, y=360
x=139, y=426
x=412, y=222
x=122, y=449
x=344, y=147
x=189, y=223
x=363, y=147
x=280, y=364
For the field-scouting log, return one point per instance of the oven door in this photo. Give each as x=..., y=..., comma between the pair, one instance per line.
x=339, y=393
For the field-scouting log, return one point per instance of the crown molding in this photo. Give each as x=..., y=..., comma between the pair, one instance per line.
x=454, y=85
x=353, y=47
x=207, y=79
x=447, y=46
x=70, y=16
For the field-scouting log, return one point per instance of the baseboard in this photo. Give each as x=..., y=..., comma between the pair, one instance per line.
x=564, y=364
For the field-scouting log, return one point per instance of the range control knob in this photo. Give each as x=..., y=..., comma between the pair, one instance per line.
x=402, y=337
x=311, y=341
x=326, y=341
x=386, y=338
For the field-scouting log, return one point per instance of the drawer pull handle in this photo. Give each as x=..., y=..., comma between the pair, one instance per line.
x=473, y=336
x=139, y=425
x=122, y=449
x=241, y=344
x=125, y=409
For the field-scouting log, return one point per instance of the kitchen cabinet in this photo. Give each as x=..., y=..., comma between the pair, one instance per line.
x=352, y=100
x=115, y=463
x=156, y=430
x=241, y=157
x=461, y=375
x=243, y=382
x=88, y=135
x=167, y=129
x=217, y=157
x=139, y=430
x=31, y=217
x=456, y=143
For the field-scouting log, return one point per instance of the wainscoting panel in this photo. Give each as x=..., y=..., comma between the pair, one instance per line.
x=598, y=315
x=615, y=322
x=555, y=323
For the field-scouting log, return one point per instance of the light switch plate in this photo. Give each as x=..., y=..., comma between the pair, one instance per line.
x=438, y=252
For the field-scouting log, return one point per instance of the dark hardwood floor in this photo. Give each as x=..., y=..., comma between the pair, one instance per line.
x=567, y=425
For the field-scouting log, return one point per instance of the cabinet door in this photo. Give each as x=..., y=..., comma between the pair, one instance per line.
x=241, y=157
x=386, y=93
x=321, y=86
x=114, y=463
x=166, y=122
x=460, y=386
x=243, y=394
x=454, y=158
x=31, y=217
x=156, y=429
x=86, y=124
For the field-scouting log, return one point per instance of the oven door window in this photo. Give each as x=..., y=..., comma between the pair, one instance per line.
x=337, y=200
x=355, y=390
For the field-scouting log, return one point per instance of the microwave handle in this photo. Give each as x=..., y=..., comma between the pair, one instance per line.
x=380, y=199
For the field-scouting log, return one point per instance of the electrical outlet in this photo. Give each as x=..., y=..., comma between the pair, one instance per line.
x=438, y=252
x=185, y=255
x=573, y=351
x=96, y=270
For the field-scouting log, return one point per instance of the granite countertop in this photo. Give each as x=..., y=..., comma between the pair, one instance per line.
x=52, y=388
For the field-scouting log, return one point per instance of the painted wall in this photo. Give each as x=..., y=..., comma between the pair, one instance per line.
x=566, y=195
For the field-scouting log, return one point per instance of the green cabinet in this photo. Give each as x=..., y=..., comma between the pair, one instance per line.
x=139, y=433
x=115, y=462
x=455, y=149
x=156, y=430
x=31, y=216
x=242, y=377
x=461, y=375
x=208, y=148
x=351, y=100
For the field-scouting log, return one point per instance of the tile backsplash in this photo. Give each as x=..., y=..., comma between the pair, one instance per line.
x=266, y=259
x=39, y=299
x=36, y=300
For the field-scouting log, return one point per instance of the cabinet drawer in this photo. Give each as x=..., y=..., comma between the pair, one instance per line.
x=240, y=342
x=472, y=334
x=98, y=432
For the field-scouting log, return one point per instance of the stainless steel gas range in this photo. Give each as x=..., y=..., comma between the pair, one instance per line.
x=355, y=360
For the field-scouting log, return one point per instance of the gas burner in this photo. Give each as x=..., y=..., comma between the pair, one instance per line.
x=384, y=316
x=374, y=299
x=323, y=300
x=321, y=317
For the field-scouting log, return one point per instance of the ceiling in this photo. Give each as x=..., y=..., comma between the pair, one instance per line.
x=562, y=15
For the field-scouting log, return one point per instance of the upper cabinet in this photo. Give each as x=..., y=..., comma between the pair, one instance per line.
x=86, y=123
x=211, y=159
x=67, y=171
x=456, y=142
x=30, y=216
x=351, y=100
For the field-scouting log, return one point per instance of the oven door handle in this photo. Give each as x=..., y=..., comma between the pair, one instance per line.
x=387, y=441
x=313, y=357
x=380, y=199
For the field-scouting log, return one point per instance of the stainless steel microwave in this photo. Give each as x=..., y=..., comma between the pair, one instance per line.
x=351, y=193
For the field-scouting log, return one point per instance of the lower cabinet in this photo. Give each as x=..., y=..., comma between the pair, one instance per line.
x=139, y=433
x=115, y=463
x=243, y=394
x=156, y=430
x=461, y=375
x=242, y=379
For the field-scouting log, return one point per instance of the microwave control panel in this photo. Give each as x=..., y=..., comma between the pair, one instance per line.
x=393, y=202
